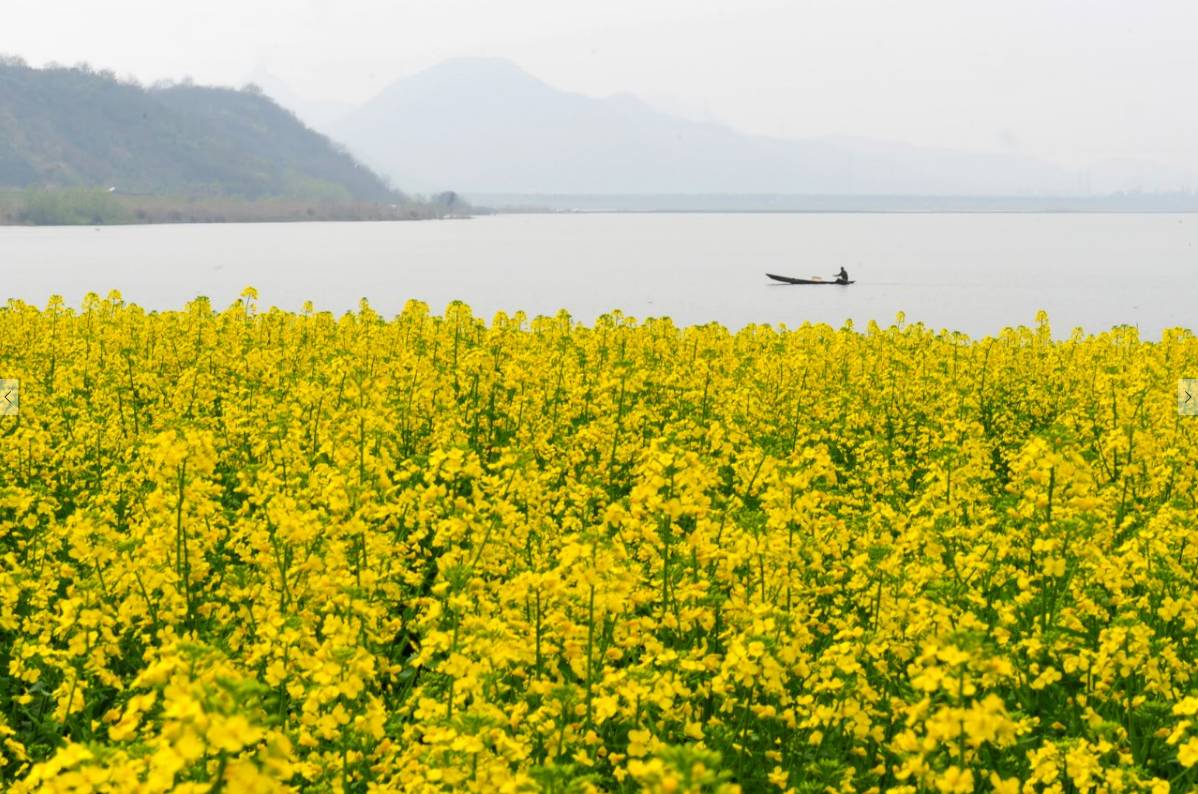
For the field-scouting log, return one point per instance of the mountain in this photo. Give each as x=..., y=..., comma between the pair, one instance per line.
x=77, y=127
x=481, y=125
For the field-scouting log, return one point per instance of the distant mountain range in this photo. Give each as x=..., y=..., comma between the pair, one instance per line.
x=481, y=127
x=77, y=127
x=487, y=126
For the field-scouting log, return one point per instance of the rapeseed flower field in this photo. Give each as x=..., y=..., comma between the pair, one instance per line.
x=254, y=550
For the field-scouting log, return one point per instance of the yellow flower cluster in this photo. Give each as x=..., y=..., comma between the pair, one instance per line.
x=265, y=551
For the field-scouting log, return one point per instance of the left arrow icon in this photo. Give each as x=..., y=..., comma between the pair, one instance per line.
x=10, y=390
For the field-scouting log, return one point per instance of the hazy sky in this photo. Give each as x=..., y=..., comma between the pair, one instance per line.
x=1073, y=81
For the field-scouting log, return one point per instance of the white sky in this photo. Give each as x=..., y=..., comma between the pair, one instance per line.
x=1073, y=81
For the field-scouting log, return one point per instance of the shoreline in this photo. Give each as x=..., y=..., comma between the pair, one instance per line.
x=87, y=207
x=797, y=203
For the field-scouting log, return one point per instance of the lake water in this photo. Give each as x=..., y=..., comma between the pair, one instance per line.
x=968, y=272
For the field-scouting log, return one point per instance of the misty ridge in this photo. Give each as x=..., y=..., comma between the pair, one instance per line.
x=485, y=126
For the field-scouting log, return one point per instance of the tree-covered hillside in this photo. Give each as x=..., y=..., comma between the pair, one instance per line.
x=77, y=127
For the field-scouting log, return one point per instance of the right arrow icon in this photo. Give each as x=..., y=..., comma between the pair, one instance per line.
x=1187, y=405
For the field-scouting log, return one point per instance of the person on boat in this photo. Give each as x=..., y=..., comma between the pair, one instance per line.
x=843, y=276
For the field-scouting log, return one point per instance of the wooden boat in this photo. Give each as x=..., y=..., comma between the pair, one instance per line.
x=789, y=280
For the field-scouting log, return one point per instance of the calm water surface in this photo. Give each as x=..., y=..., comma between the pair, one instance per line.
x=971, y=273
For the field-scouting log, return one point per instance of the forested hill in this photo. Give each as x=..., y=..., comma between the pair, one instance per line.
x=75, y=127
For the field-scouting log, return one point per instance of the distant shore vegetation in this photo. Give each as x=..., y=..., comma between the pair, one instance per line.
x=100, y=207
